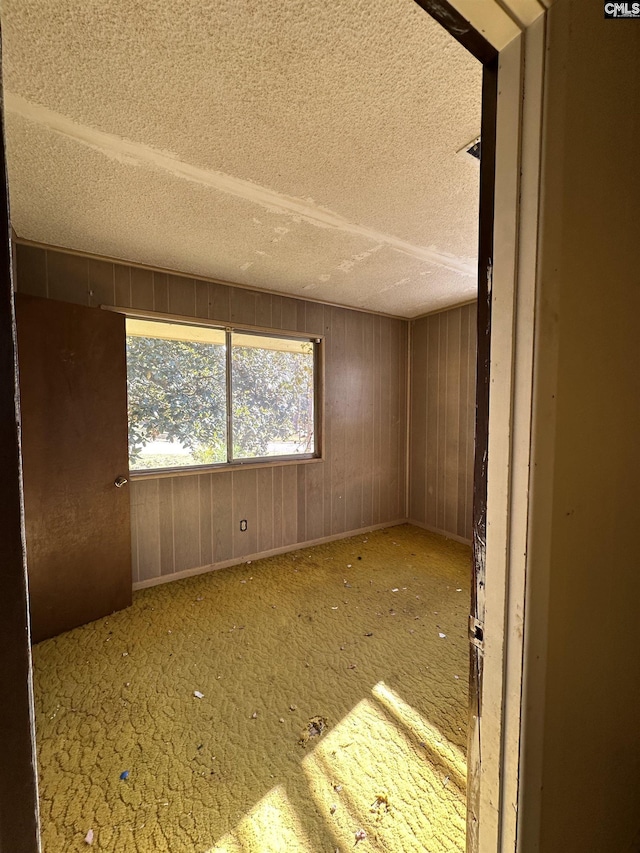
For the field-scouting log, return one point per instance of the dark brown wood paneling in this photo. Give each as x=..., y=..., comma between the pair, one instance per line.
x=361, y=480
x=182, y=295
x=314, y=319
x=243, y=306
x=67, y=277
x=288, y=313
x=74, y=447
x=122, y=283
x=202, y=299
x=301, y=318
x=443, y=348
x=101, y=283
x=18, y=786
x=32, y=270
x=263, y=310
x=220, y=302
x=141, y=288
x=160, y=292
x=276, y=311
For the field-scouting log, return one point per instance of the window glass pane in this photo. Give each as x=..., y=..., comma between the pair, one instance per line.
x=176, y=383
x=272, y=393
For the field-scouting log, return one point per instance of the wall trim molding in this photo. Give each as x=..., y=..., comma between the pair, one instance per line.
x=261, y=555
x=443, y=310
x=429, y=528
x=20, y=241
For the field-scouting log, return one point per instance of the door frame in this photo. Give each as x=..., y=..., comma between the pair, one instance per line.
x=516, y=30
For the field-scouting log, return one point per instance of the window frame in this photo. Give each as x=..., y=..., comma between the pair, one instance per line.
x=318, y=342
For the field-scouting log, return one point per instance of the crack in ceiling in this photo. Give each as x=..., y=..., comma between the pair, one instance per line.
x=137, y=154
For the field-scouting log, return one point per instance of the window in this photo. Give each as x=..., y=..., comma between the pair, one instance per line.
x=203, y=396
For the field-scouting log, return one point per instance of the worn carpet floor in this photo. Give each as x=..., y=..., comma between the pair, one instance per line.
x=294, y=704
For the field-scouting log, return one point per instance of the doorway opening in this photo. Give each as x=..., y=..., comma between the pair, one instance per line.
x=487, y=269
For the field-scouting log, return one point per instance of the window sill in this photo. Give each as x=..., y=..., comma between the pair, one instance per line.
x=222, y=466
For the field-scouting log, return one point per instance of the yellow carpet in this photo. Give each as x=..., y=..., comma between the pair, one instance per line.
x=348, y=633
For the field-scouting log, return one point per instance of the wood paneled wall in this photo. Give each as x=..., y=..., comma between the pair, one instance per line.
x=441, y=445
x=185, y=522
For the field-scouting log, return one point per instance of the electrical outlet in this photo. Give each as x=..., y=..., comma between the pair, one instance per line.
x=243, y=525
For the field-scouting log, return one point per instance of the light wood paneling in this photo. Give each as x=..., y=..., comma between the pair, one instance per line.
x=206, y=520
x=265, y=504
x=289, y=505
x=165, y=495
x=181, y=523
x=186, y=531
x=277, y=507
x=221, y=502
x=328, y=424
x=245, y=506
x=337, y=413
x=302, y=503
x=443, y=348
x=145, y=516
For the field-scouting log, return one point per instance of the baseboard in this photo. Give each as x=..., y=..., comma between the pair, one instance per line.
x=437, y=530
x=236, y=561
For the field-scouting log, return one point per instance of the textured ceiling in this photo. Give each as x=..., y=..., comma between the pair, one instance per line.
x=305, y=147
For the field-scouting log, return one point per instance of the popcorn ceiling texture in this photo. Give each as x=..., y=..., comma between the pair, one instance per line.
x=353, y=110
x=349, y=631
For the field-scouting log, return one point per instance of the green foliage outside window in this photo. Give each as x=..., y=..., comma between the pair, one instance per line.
x=177, y=394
